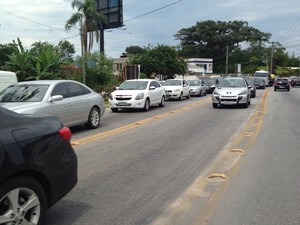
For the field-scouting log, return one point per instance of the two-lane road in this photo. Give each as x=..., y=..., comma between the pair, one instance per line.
x=150, y=168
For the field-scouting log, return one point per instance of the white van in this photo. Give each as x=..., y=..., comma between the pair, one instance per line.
x=7, y=78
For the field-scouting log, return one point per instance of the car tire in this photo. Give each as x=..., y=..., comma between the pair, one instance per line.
x=147, y=105
x=188, y=96
x=162, y=102
x=180, y=97
x=200, y=94
x=215, y=105
x=18, y=192
x=205, y=93
x=288, y=89
x=274, y=89
x=114, y=109
x=245, y=105
x=94, y=118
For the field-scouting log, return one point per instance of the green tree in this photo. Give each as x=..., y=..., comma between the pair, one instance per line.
x=5, y=51
x=87, y=17
x=66, y=50
x=20, y=62
x=162, y=60
x=99, y=71
x=209, y=39
x=135, y=50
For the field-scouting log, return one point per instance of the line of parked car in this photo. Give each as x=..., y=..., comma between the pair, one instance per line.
x=36, y=155
x=144, y=93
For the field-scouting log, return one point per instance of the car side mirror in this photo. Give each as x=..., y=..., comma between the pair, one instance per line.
x=55, y=98
x=152, y=88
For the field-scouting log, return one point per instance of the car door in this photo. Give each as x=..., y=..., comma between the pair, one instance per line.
x=79, y=102
x=186, y=88
x=61, y=108
x=156, y=94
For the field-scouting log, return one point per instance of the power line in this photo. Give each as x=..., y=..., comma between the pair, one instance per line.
x=32, y=21
x=155, y=10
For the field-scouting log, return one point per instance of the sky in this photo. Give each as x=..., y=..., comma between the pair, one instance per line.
x=148, y=22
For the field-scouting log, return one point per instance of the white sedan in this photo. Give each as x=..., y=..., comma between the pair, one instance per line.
x=177, y=89
x=137, y=93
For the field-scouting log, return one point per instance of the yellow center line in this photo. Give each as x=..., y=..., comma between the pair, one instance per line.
x=98, y=136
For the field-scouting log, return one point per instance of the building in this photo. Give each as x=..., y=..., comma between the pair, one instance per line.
x=199, y=66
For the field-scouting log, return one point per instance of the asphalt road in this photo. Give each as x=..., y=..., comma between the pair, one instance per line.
x=155, y=167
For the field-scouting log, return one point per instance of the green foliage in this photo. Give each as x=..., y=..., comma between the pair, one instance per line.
x=5, y=51
x=162, y=60
x=209, y=39
x=99, y=71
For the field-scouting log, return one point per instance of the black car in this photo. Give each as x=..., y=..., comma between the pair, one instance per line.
x=295, y=82
x=250, y=82
x=38, y=166
x=282, y=83
x=259, y=83
x=211, y=83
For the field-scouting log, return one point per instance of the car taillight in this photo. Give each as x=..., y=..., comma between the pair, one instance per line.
x=65, y=133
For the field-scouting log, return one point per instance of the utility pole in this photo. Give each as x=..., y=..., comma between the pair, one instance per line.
x=227, y=55
x=272, y=57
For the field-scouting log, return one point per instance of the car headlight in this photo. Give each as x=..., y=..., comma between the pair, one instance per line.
x=111, y=97
x=139, y=96
x=216, y=92
x=243, y=93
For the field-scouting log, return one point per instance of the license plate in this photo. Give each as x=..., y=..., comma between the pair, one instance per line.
x=229, y=102
x=122, y=103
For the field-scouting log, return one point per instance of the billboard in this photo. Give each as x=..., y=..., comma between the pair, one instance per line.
x=112, y=10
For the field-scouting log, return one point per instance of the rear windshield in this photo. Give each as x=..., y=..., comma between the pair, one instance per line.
x=24, y=93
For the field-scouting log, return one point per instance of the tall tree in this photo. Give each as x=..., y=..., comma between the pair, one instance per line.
x=87, y=17
x=162, y=60
x=210, y=39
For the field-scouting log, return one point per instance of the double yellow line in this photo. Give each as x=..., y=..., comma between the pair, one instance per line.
x=98, y=136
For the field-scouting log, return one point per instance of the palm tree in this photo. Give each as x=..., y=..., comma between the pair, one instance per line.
x=87, y=17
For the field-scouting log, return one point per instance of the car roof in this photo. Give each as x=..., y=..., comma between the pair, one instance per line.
x=142, y=80
x=46, y=81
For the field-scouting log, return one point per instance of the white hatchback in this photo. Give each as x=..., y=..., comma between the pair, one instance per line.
x=177, y=89
x=137, y=93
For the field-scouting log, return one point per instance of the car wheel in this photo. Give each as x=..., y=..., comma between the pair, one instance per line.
x=205, y=93
x=188, y=96
x=162, y=102
x=215, y=105
x=147, y=105
x=22, y=201
x=200, y=94
x=288, y=89
x=114, y=109
x=245, y=105
x=180, y=97
x=94, y=118
x=274, y=89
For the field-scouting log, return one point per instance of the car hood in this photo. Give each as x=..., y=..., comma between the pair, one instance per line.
x=195, y=87
x=172, y=87
x=230, y=91
x=127, y=92
x=20, y=107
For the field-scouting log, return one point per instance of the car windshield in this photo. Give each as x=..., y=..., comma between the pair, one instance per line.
x=194, y=82
x=210, y=81
x=235, y=83
x=172, y=83
x=24, y=93
x=134, y=85
x=250, y=81
x=258, y=81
